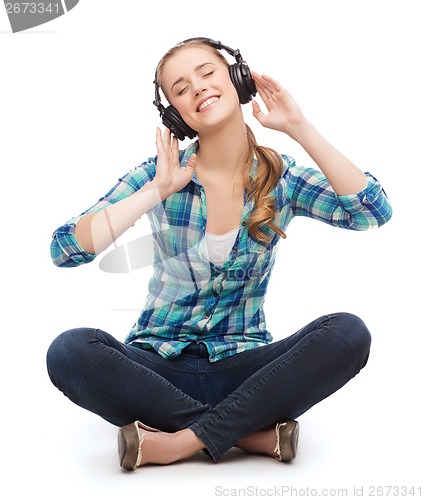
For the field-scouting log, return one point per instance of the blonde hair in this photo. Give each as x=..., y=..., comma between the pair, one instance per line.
x=269, y=168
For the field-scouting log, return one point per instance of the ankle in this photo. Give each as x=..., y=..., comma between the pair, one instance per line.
x=259, y=442
x=165, y=448
x=186, y=444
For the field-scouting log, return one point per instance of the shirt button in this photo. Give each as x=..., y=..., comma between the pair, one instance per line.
x=235, y=250
x=215, y=293
x=207, y=315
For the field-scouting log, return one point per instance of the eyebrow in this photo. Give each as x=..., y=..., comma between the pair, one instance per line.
x=197, y=68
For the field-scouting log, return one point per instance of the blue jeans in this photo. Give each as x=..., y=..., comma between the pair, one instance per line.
x=220, y=402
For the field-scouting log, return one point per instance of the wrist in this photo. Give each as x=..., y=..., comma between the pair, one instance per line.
x=301, y=131
x=162, y=190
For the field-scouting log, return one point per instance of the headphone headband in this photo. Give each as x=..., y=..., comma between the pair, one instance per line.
x=217, y=45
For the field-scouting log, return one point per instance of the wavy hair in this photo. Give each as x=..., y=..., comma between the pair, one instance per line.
x=269, y=168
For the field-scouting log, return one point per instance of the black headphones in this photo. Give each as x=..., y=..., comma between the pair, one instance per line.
x=241, y=79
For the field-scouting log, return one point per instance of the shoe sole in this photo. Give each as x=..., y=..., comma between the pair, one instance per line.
x=128, y=445
x=289, y=440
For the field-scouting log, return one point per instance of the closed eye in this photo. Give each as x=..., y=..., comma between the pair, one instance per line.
x=182, y=91
x=208, y=74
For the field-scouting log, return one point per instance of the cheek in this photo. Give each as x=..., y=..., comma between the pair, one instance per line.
x=230, y=89
x=184, y=106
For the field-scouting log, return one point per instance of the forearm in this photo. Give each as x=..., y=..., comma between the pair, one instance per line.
x=344, y=177
x=96, y=231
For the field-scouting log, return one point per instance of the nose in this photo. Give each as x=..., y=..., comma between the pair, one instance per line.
x=197, y=91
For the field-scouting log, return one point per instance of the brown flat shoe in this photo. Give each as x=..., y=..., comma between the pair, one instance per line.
x=287, y=433
x=130, y=444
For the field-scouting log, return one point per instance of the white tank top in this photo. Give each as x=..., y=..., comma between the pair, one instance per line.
x=218, y=246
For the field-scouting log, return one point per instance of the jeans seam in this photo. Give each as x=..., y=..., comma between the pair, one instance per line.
x=206, y=440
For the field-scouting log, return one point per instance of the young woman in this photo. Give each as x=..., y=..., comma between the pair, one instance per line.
x=199, y=370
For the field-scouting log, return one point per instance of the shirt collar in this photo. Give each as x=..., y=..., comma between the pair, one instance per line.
x=193, y=148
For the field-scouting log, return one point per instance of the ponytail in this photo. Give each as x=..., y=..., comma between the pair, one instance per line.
x=269, y=170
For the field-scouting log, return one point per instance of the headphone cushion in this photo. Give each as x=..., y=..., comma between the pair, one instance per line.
x=172, y=119
x=243, y=82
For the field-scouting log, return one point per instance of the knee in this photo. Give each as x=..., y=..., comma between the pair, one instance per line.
x=64, y=352
x=354, y=335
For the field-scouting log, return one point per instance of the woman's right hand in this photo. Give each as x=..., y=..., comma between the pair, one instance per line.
x=169, y=177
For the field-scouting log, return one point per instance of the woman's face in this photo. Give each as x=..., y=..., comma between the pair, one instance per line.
x=197, y=83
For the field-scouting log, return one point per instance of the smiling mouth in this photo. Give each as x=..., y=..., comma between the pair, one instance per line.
x=207, y=103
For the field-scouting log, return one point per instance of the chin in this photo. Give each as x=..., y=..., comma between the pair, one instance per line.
x=211, y=128
x=214, y=123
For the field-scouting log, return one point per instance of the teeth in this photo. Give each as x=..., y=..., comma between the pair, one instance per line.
x=207, y=103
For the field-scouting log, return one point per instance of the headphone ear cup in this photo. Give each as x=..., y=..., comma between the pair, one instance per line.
x=243, y=82
x=172, y=119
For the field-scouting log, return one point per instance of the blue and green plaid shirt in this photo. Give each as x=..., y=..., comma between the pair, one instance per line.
x=191, y=299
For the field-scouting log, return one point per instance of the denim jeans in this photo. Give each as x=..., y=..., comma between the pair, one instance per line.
x=220, y=402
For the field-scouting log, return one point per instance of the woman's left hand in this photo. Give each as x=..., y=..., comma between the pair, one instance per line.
x=284, y=113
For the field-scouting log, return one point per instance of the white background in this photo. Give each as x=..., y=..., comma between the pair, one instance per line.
x=76, y=113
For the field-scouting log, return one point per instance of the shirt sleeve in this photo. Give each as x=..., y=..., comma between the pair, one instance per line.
x=65, y=250
x=311, y=195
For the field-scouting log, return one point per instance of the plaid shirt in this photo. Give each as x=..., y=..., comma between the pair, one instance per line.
x=191, y=299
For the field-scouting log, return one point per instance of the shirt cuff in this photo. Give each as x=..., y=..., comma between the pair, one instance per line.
x=69, y=245
x=354, y=203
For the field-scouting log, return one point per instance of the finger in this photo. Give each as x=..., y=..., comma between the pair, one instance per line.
x=265, y=88
x=159, y=145
x=268, y=85
x=175, y=150
x=260, y=81
x=192, y=162
x=265, y=96
x=262, y=89
x=166, y=138
x=272, y=84
x=256, y=111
